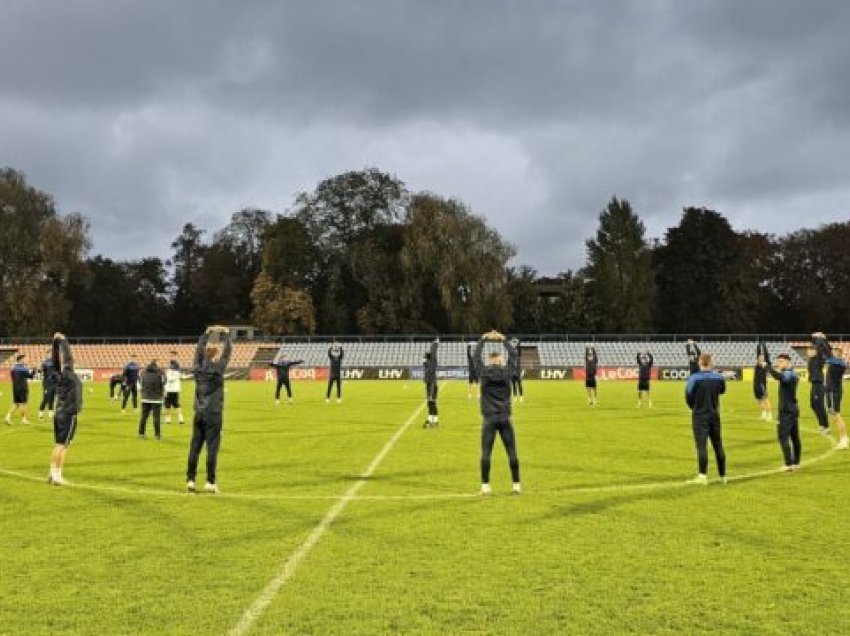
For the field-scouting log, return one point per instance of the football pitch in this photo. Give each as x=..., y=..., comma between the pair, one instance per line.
x=352, y=519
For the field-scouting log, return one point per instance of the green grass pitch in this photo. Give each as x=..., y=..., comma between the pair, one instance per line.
x=604, y=539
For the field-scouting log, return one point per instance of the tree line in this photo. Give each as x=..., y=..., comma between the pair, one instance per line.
x=361, y=254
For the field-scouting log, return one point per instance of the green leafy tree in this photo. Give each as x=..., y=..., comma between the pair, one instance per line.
x=281, y=310
x=619, y=270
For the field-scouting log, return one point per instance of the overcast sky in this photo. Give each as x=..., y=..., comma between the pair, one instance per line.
x=144, y=115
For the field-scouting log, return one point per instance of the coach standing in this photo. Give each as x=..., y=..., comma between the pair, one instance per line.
x=209, y=366
x=153, y=391
x=702, y=394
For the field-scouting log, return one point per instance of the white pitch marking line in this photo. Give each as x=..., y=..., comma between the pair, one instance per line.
x=261, y=603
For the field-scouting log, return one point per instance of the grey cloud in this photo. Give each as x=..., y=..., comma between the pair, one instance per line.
x=535, y=112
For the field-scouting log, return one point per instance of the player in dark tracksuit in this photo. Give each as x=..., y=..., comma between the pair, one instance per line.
x=281, y=368
x=760, y=381
x=116, y=382
x=702, y=394
x=591, y=363
x=693, y=352
x=471, y=370
x=153, y=394
x=69, y=404
x=209, y=367
x=644, y=362
x=335, y=356
x=817, y=398
x=496, y=409
x=130, y=384
x=20, y=374
x=48, y=389
x=429, y=376
x=788, y=429
x=835, y=368
x=516, y=370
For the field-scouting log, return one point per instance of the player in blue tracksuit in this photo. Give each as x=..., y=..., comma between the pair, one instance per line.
x=817, y=398
x=835, y=368
x=693, y=352
x=20, y=374
x=788, y=429
x=131, y=384
x=48, y=389
x=702, y=394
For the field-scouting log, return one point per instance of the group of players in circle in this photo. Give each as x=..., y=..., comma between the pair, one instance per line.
x=499, y=378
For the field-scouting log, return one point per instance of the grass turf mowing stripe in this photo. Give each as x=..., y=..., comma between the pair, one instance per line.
x=256, y=609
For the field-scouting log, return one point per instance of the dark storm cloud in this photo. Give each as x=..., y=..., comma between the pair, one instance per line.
x=534, y=112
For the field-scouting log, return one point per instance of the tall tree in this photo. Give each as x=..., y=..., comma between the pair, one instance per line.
x=186, y=261
x=619, y=270
x=41, y=253
x=282, y=310
x=453, y=257
x=699, y=278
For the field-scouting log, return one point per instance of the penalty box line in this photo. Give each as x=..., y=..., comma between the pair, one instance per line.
x=287, y=570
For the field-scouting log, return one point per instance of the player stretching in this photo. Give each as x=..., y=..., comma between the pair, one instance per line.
x=760, y=381
x=816, y=394
x=496, y=409
x=516, y=370
x=48, y=389
x=835, y=367
x=693, y=351
x=335, y=355
x=702, y=393
x=116, y=382
x=281, y=366
x=644, y=362
x=591, y=361
x=130, y=384
x=173, y=379
x=788, y=429
x=471, y=370
x=429, y=376
x=69, y=404
x=209, y=367
x=21, y=374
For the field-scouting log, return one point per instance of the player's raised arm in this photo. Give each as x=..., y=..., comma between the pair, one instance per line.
x=227, y=351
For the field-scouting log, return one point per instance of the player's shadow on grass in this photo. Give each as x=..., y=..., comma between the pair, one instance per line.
x=605, y=502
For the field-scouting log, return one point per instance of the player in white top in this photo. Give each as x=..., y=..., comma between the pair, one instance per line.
x=172, y=390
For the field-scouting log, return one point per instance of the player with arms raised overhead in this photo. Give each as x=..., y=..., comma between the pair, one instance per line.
x=471, y=370
x=591, y=362
x=515, y=367
x=693, y=352
x=835, y=368
x=788, y=429
x=48, y=388
x=335, y=356
x=760, y=381
x=644, y=362
x=496, y=408
x=69, y=404
x=429, y=376
x=817, y=397
x=209, y=366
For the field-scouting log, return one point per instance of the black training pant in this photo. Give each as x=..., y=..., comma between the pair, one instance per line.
x=47, y=400
x=283, y=382
x=708, y=428
x=113, y=384
x=431, y=392
x=128, y=391
x=488, y=437
x=331, y=381
x=149, y=408
x=817, y=401
x=516, y=385
x=788, y=431
x=206, y=430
